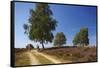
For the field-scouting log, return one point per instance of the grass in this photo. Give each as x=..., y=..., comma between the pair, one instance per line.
x=21, y=59
x=74, y=54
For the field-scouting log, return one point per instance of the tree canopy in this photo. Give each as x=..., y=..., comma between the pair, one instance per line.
x=60, y=39
x=41, y=24
x=81, y=37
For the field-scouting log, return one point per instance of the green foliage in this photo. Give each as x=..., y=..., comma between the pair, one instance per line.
x=81, y=37
x=60, y=39
x=41, y=24
x=76, y=39
x=25, y=26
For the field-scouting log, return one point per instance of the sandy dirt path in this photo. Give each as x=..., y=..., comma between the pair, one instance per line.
x=33, y=59
x=55, y=61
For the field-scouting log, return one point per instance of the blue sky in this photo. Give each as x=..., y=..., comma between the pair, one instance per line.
x=70, y=20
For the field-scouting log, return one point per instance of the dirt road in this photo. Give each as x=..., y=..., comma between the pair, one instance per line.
x=33, y=59
x=38, y=58
x=50, y=58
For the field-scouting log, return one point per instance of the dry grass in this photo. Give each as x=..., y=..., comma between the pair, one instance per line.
x=74, y=54
x=21, y=58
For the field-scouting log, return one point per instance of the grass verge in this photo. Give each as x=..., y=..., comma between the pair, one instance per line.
x=21, y=59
